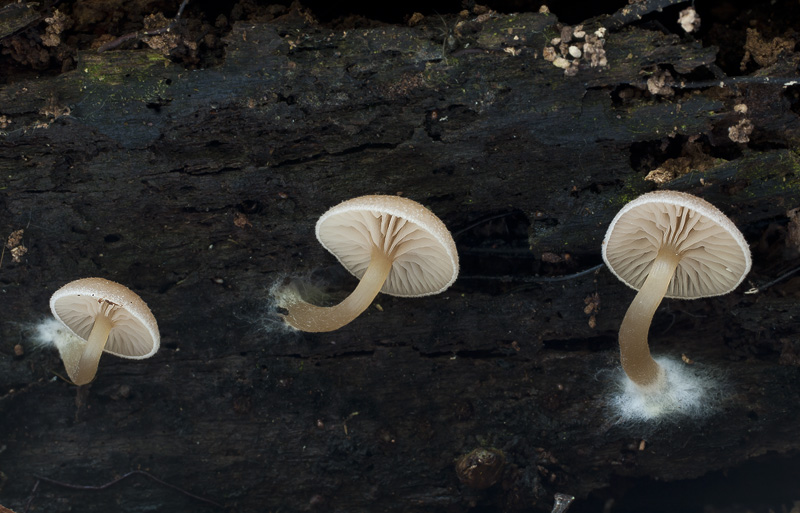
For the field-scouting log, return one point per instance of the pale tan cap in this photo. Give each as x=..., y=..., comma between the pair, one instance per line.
x=424, y=254
x=715, y=257
x=135, y=331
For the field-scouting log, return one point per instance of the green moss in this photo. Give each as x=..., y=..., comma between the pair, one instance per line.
x=501, y=31
x=633, y=187
x=658, y=119
x=771, y=174
x=123, y=76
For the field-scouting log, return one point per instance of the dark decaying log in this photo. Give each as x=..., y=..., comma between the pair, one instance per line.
x=200, y=190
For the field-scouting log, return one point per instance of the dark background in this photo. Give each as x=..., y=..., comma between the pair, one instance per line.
x=194, y=168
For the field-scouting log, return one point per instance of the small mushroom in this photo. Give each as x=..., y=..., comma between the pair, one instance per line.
x=672, y=244
x=392, y=244
x=104, y=316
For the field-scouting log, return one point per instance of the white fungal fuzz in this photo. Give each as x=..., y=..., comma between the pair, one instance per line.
x=690, y=391
x=51, y=333
x=286, y=291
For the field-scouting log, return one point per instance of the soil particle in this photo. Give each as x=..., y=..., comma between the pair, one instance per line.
x=764, y=53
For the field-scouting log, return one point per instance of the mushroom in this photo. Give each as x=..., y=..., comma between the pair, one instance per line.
x=393, y=245
x=672, y=244
x=104, y=316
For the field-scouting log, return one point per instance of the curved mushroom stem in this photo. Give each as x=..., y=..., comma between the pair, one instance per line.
x=634, y=351
x=86, y=369
x=307, y=317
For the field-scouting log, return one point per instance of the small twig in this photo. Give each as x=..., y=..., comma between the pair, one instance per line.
x=31, y=496
x=180, y=9
x=143, y=33
x=445, y=38
x=536, y=279
x=62, y=378
x=115, y=481
x=480, y=222
x=344, y=423
x=762, y=288
x=118, y=41
x=671, y=323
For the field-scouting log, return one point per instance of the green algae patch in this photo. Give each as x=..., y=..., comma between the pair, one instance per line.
x=121, y=94
x=528, y=29
x=751, y=176
x=125, y=76
x=654, y=120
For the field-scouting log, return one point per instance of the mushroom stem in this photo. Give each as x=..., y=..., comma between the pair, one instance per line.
x=634, y=351
x=86, y=369
x=307, y=317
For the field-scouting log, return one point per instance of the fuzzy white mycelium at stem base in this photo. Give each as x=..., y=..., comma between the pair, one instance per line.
x=688, y=391
x=315, y=319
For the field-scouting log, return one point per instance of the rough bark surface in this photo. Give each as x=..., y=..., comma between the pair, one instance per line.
x=200, y=190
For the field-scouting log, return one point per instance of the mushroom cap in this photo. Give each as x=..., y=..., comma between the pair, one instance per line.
x=715, y=257
x=424, y=254
x=135, y=332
